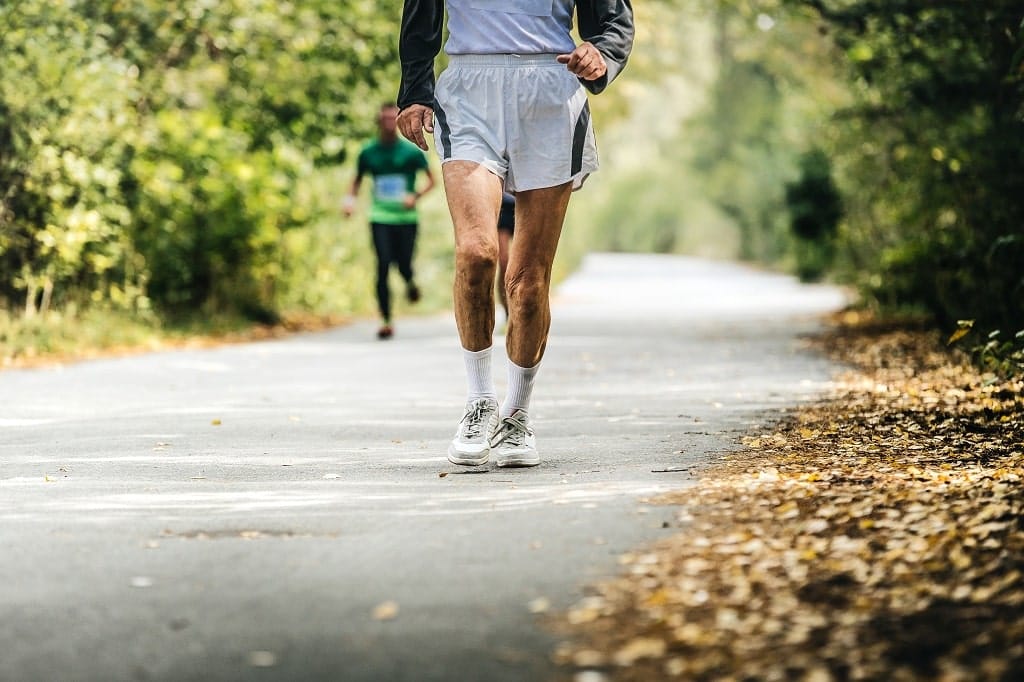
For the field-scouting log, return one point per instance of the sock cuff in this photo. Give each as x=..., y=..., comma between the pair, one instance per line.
x=520, y=388
x=479, y=382
x=478, y=354
x=526, y=371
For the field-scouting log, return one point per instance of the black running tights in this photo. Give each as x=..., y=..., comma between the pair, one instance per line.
x=393, y=244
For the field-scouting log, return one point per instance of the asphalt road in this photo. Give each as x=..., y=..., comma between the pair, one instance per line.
x=284, y=510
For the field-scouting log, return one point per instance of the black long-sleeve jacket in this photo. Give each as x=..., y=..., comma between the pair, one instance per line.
x=607, y=24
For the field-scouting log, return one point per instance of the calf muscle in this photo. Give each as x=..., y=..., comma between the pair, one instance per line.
x=474, y=196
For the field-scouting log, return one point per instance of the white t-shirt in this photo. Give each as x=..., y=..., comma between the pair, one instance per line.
x=509, y=26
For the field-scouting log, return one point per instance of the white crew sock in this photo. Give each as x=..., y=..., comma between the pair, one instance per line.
x=520, y=387
x=478, y=374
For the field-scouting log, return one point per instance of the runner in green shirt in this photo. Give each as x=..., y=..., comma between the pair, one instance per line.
x=393, y=163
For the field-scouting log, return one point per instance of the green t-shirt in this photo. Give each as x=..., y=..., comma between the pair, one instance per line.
x=393, y=168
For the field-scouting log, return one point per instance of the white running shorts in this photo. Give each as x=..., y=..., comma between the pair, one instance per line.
x=523, y=117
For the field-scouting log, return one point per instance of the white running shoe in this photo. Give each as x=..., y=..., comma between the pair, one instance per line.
x=514, y=442
x=471, y=445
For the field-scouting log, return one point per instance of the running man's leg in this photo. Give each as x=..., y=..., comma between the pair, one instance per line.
x=382, y=247
x=539, y=217
x=405, y=248
x=474, y=195
x=504, y=242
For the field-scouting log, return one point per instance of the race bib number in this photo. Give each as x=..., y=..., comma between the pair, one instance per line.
x=535, y=8
x=389, y=187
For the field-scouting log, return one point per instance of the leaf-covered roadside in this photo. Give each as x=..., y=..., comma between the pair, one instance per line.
x=57, y=339
x=878, y=535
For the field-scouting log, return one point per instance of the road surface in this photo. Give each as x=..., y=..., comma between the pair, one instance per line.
x=284, y=509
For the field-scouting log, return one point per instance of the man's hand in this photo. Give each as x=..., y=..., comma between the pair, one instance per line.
x=348, y=205
x=585, y=62
x=409, y=201
x=413, y=121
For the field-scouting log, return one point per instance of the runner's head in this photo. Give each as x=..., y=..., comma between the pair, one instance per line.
x=387, y=120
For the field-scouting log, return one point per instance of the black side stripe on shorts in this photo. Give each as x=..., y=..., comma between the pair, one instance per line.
x=446, y=132
x=579, y=138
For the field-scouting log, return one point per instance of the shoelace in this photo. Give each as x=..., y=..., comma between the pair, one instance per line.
x=474, y=418
x=513, y=431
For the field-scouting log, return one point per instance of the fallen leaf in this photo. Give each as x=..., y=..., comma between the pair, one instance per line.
x=638, y=648
x=876, y=533
x=262, y=659
x=385, y=611
x=539, y=605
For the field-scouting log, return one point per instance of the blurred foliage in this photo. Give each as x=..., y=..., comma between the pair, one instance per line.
x=183, y=158
x=932, y=150
x=153, y=154
x=1004, y=357
x=815, y=208
x=717, y=123
x=647, y=195
x=927, y=141
x=740, y=154
x=918, y=105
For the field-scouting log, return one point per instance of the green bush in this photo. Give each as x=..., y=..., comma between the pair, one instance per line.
x=814, y=212
x=153, y=155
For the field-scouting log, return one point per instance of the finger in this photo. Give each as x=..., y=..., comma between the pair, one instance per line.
x=585, y=63
x=592, y=68
x=596, y=67
x=428, y=120
x=568, y=59
x=415, y=132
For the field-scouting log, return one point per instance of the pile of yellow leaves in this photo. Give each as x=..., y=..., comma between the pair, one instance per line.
x=877, y=536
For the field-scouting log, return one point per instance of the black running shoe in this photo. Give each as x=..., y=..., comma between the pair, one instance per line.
x=412, y=293
x=385, y=332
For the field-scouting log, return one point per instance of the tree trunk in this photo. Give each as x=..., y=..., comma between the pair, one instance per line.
x=44, y=304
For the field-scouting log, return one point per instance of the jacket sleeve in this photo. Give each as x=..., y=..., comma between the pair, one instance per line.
x=608, y=25
x=418, y=45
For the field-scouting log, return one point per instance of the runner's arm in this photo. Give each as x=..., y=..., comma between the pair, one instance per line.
x=348, y=204
x=431, y=183
x=418, y=44
x=415, y=196
x=608, y=25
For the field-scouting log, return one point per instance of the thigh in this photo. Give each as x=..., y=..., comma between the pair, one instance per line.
x=539, y=217
x=405, y=241
x=382, y=242
x=474, y=196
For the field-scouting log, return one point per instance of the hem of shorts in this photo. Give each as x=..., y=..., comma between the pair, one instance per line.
x=477, y=162
x=577, y=181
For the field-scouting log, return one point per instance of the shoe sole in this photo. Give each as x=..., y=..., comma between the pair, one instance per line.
x=512, y=462
x=467, y=460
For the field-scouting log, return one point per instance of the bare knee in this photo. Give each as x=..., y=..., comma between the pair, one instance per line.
x=527, y=290
x=476, y=261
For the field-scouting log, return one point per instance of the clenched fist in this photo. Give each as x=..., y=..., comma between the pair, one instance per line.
x=585, y=62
